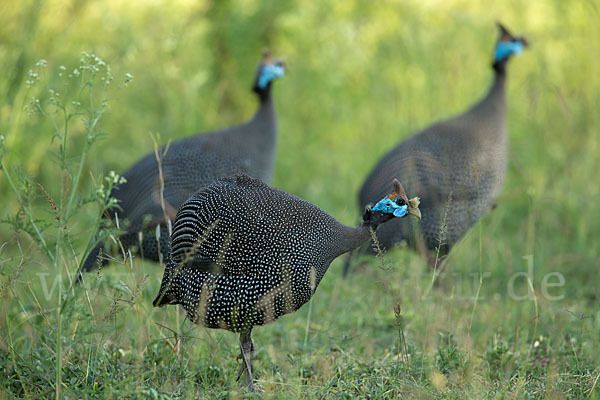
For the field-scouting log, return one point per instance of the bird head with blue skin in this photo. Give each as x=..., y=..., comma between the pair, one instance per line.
x=506, y=46
x=395, y=205
x=268, y=70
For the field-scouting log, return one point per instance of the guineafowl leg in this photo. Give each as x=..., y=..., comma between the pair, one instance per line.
x=246, y=355
x=348, y=263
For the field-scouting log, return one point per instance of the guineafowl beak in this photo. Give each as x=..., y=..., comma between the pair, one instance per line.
x=413, y=207
x=415, y=213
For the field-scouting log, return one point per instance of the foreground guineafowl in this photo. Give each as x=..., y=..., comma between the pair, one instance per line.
x=243, y=253
x=457, y=166
x=151, y=197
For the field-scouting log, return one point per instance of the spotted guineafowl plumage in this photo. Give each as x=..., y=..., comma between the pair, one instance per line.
x=457, y=166
x=243, y=253
x=189, y=165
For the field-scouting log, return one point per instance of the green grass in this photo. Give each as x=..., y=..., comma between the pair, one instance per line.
x=362, y=77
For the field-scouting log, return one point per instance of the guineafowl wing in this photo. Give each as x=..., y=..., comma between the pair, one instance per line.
x=244, y=227
x=154, y=192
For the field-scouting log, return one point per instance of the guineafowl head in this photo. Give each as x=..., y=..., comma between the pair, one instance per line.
x=268, y=70
x=506, y=46
x=395, y=205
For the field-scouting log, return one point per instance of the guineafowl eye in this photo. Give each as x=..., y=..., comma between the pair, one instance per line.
x=400, y=201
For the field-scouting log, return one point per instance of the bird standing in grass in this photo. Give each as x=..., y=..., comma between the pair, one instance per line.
x=243, y=254
x=457, y=166
x=154, y=191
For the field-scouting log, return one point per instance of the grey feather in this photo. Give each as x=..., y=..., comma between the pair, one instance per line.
x=266, y=252
x=457, y=167
x=187, y=166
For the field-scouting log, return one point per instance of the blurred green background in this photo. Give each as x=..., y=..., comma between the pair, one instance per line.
x=362, y=76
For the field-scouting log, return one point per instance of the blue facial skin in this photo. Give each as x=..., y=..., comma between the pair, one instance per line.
x=505, y=49
x=390, y=207
x=268, y=73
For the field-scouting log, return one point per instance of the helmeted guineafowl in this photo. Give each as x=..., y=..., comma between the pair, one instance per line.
x=243, y=253
x=189, y=165
x=457, y=166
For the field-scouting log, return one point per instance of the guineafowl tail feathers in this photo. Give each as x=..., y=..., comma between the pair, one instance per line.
x=166, y=293
x=163, y=299
x=165, y=296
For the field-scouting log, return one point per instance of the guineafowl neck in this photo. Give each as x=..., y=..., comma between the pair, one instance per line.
x=265, y=115
x=265, y=97
x=493, y=106
x=353, y=237
x=499, y=84
x=266, y=109
x=497, y=91
x=265, y=121
x=261, y=138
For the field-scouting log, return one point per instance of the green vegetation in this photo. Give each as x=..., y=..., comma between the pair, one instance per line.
x=363, y=75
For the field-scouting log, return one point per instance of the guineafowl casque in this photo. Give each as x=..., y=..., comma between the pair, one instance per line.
x=243, y=254
x=457, y=166
x=189, y=165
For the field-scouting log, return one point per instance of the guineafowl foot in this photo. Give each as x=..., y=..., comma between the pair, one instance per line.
x=245, y=372
x=247, y=351
x=348, y=263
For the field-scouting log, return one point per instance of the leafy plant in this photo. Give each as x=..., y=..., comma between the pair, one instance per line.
x=74, y=100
